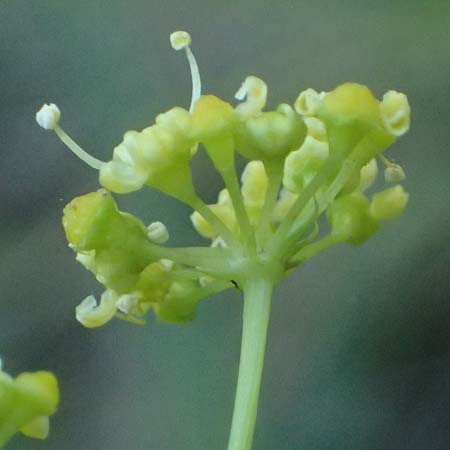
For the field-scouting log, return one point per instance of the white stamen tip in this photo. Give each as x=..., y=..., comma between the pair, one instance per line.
x=180, y=40
x=48, y=116
x=157, y=233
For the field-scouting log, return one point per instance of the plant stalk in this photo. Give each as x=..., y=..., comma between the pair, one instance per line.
x=257, y=300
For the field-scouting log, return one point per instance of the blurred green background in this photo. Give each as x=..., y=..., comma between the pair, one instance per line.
x=359, y=341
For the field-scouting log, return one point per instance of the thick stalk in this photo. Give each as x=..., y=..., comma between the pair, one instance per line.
x=257, y=299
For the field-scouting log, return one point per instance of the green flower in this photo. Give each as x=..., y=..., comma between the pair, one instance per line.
x=26, y=403
x=316, y=157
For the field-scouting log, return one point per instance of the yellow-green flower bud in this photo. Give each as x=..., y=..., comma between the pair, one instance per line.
x=180, y=304
x=270, y=135
x=226, y=214
x=26, y=403
x=389, y=204
x=283, y=205
x=395, y=112
x=350, y=219
x=368, y=175
x=254, y=184
x=300, y=165
x=211, y=118
x=254, y=188
x=350, y=113
x=154, y=282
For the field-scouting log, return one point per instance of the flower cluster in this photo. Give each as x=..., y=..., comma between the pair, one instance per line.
x=315, y=157
x=26, y=404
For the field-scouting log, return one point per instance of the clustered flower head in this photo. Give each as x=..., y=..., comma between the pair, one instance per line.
x=26, y=402
x=316, y=157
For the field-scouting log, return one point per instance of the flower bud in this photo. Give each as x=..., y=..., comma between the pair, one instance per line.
x=350, y=219
x=301, y=164
x=270, y=135
x=157, y=233
x=389, y=204
x=223, y=211
x=395, y=112
x=26, y=404
x=254, y=184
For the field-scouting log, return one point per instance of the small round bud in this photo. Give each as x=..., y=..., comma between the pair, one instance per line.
x=180, y=40
x=254, y=184
x=350, y=219
x=395, y=112
x=368, y=174
x=389, y=204
x=157, y=233
x=48, y=116
x=394, y=173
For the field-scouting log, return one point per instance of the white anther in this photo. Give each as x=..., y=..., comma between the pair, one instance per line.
x=254, y=90
x=180, y=40
x=394, y=173
x=157, y=233
x=128, y=303
x=308, y=102
x=48, y=116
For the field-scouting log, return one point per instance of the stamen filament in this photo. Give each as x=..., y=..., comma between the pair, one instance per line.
x=77, y=150
x=180, y=40
x=195, y=75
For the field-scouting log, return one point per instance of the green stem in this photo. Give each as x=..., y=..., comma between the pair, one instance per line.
x=232, y=184
x=274, y=173
x=257, y=299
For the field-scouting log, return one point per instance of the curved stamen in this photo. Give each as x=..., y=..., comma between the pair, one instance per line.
x=48, y=119
x=181, y=40
x=254, y=91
